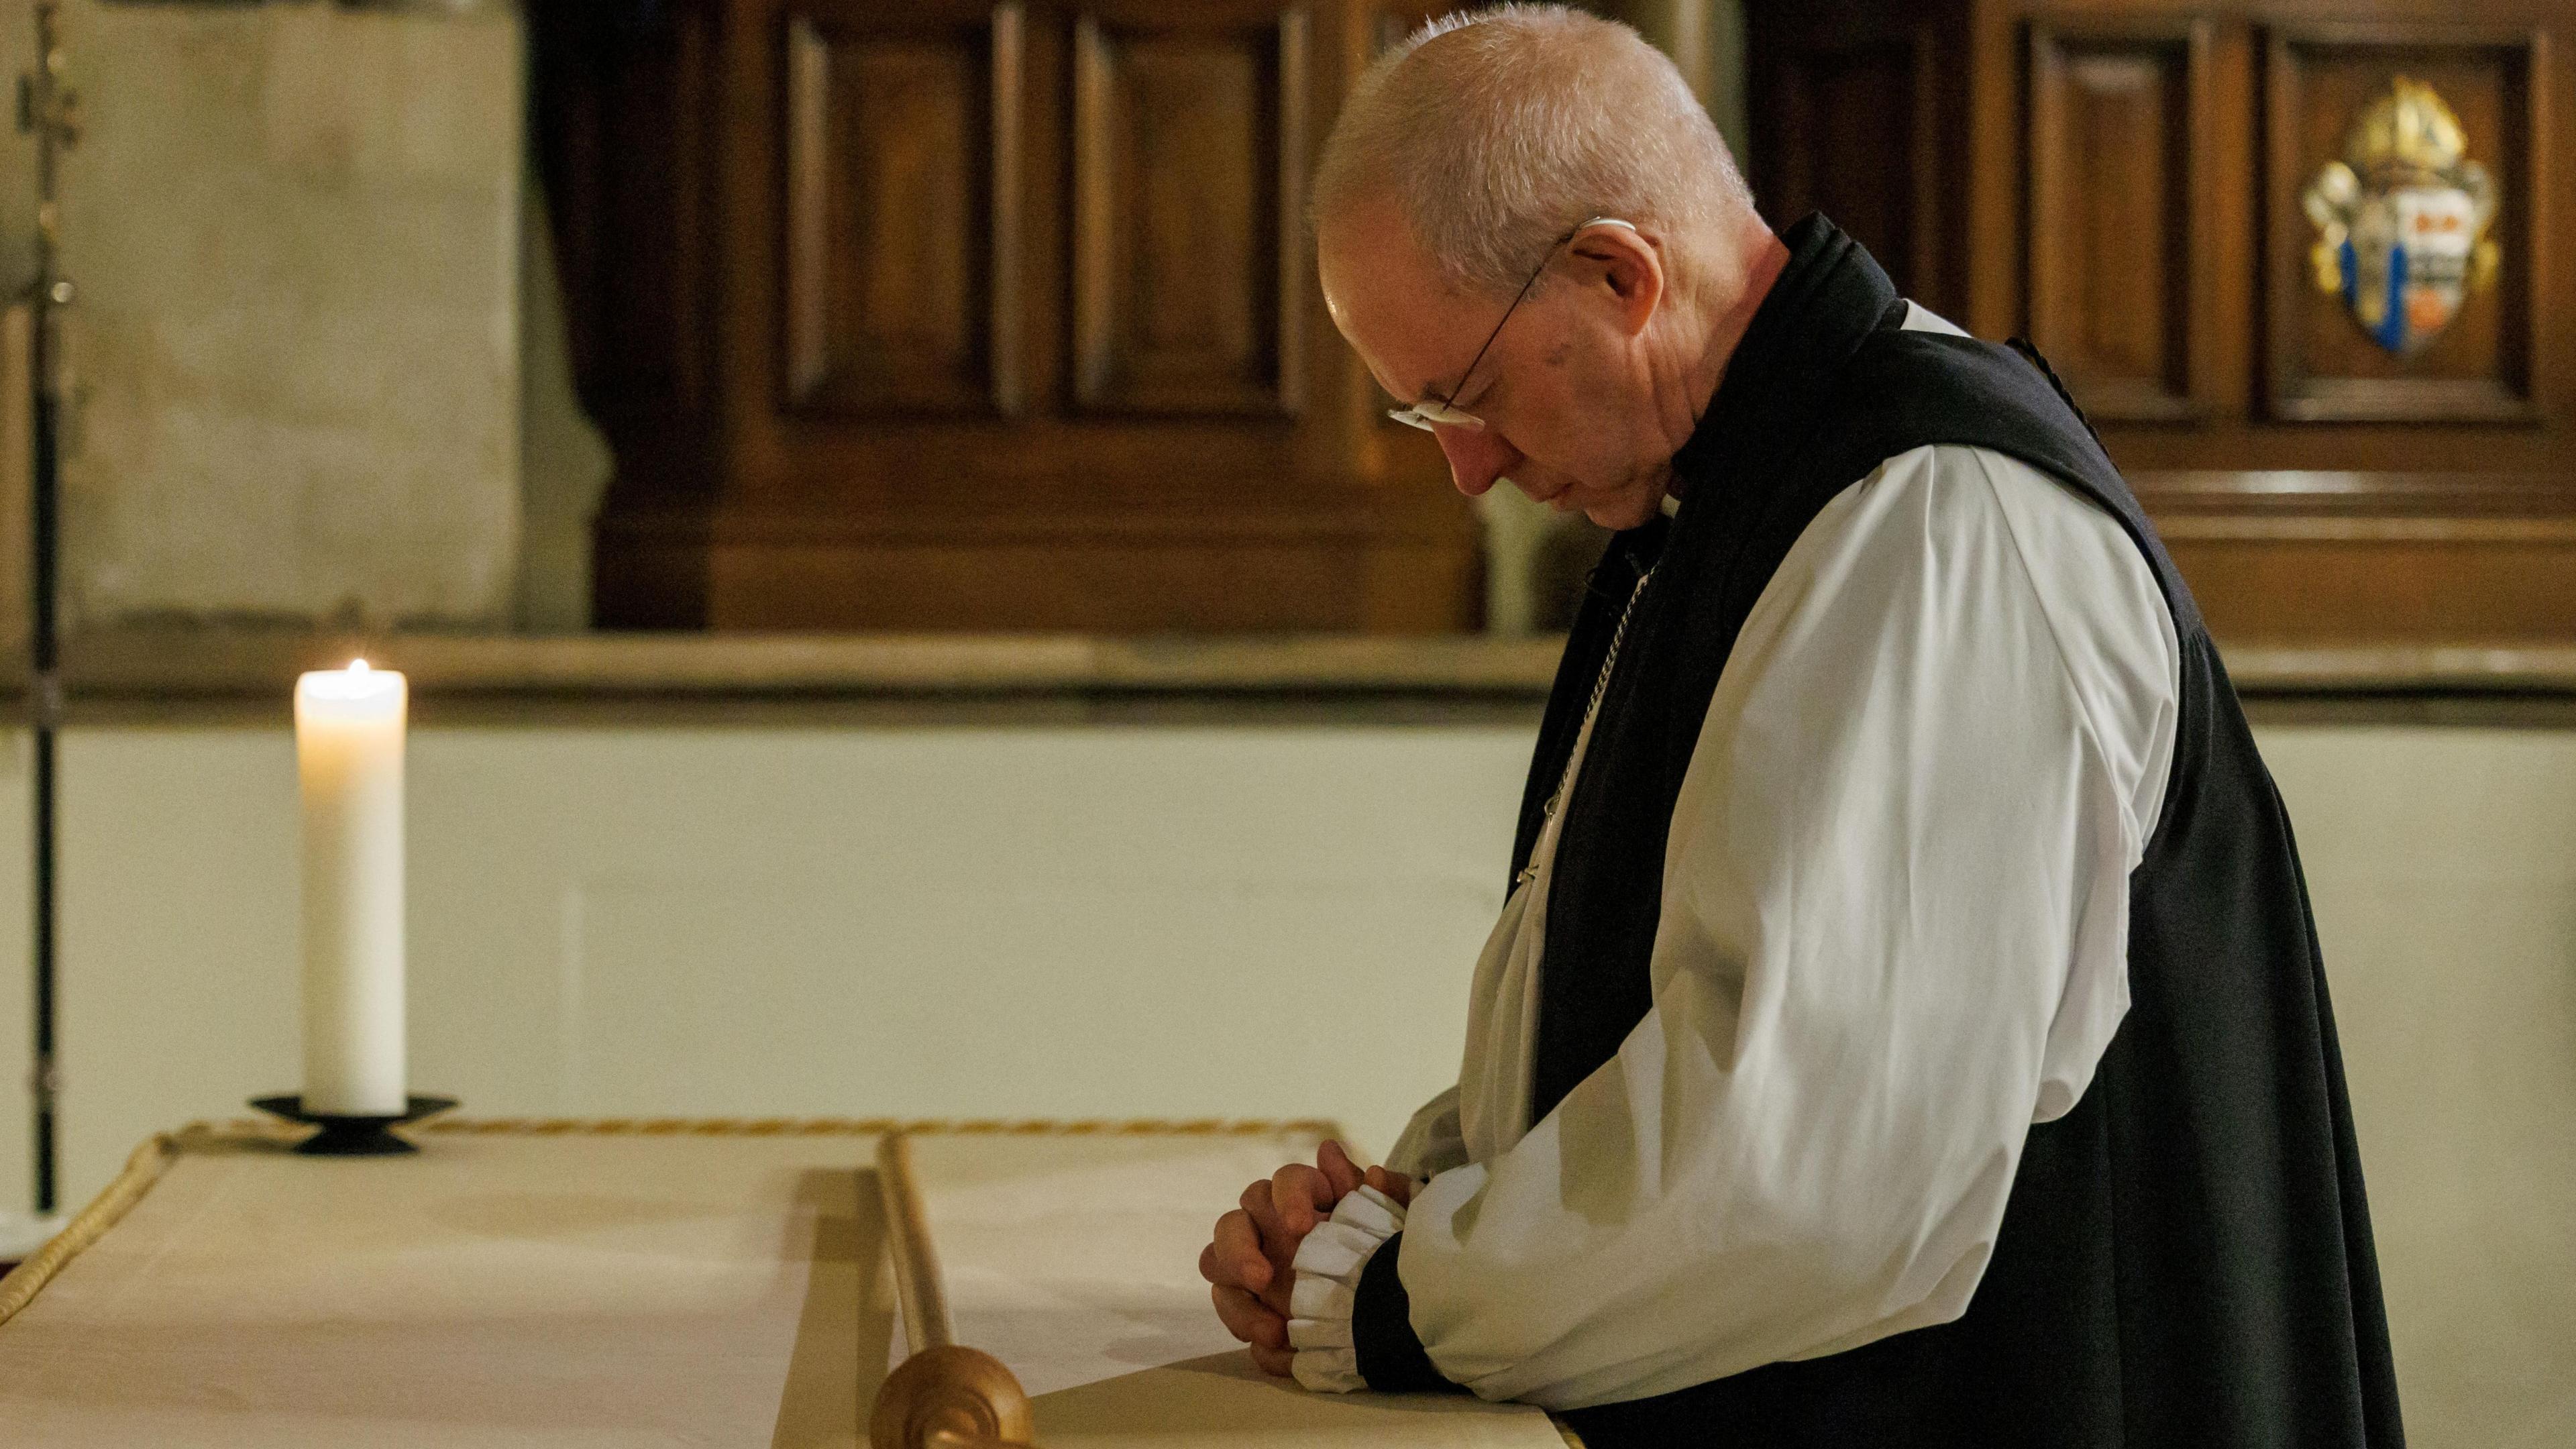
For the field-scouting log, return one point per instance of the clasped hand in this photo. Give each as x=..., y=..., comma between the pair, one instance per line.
x=1250, y=1262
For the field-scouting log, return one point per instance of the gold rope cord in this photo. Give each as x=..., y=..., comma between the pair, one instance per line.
x=880, y=1127
x=142, y=1170
x=154, y=1157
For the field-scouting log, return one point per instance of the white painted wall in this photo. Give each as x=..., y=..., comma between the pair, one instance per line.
x=2442, y=864
x=1202, y=920
x=1121, y=921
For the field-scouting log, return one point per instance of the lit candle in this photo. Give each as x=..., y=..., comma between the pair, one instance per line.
x=349, y=763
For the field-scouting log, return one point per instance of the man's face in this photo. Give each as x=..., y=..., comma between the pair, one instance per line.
x=1549, y=390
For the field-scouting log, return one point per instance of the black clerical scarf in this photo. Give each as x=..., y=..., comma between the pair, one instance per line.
x=2186, y=1256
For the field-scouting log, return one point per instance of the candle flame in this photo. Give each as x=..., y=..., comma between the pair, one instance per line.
x=357, y=666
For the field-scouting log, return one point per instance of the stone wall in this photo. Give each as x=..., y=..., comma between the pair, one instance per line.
x=296, y=231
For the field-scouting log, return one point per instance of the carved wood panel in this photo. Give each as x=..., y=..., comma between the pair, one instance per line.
x=2118, y=239
x=1189, y=145
x=1003, y=318
x=2323, y=365
x=901, y=205
x=2128, y=186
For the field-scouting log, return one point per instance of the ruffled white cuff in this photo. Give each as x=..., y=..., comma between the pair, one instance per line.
x=1328, y=1284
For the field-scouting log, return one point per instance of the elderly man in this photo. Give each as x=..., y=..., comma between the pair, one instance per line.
x=1905, y=1026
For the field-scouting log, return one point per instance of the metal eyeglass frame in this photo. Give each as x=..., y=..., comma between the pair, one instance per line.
x=1425, y=415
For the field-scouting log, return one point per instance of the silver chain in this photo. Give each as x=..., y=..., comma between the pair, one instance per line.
x=1609, y=662
x=1600, y=687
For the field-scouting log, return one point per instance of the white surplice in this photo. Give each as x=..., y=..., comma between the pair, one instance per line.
x=1894, y=935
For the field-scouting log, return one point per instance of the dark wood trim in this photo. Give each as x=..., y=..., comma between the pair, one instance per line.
x=1094, y=213
x=807, y=88
x=1010, y=86
x=1294, y=77
x=2541, y=362
x=1930, y=248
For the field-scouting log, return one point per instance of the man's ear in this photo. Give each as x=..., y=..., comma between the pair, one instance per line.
x=1627, y=266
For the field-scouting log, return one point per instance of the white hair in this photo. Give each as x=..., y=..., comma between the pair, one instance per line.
x=1497, y=131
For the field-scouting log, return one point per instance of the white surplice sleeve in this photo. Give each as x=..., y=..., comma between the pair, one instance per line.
x=1894, y=935
x=1433, y=1142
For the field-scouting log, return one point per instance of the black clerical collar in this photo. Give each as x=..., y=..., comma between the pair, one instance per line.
x=1827, y=298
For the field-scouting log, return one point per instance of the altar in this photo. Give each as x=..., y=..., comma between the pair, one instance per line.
x=561, y=1283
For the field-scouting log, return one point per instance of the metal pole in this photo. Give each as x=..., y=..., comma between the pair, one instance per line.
x=47, y=108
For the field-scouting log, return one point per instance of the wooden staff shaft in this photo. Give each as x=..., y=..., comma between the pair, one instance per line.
x=918, y=1284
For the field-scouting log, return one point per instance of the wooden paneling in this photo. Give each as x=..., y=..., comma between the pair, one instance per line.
x=1847, y=129
x=2130, y=194
x=801, y=441
x=1856, y=109
x=2322, y=367
x=1001, y=316
x=901, y=207
x=1189, y=142
x=2118, y=244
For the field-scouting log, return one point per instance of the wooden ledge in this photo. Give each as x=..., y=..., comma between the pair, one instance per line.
x=2520, y=669
x=217, y=662
x=255, y=666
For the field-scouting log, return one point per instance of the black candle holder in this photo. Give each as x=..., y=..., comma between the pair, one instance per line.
x=347, y=1136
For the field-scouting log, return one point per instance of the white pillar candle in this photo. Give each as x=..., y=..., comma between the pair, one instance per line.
x=349, y=763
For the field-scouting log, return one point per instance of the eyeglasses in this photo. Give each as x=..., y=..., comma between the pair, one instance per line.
x=1426, y=414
